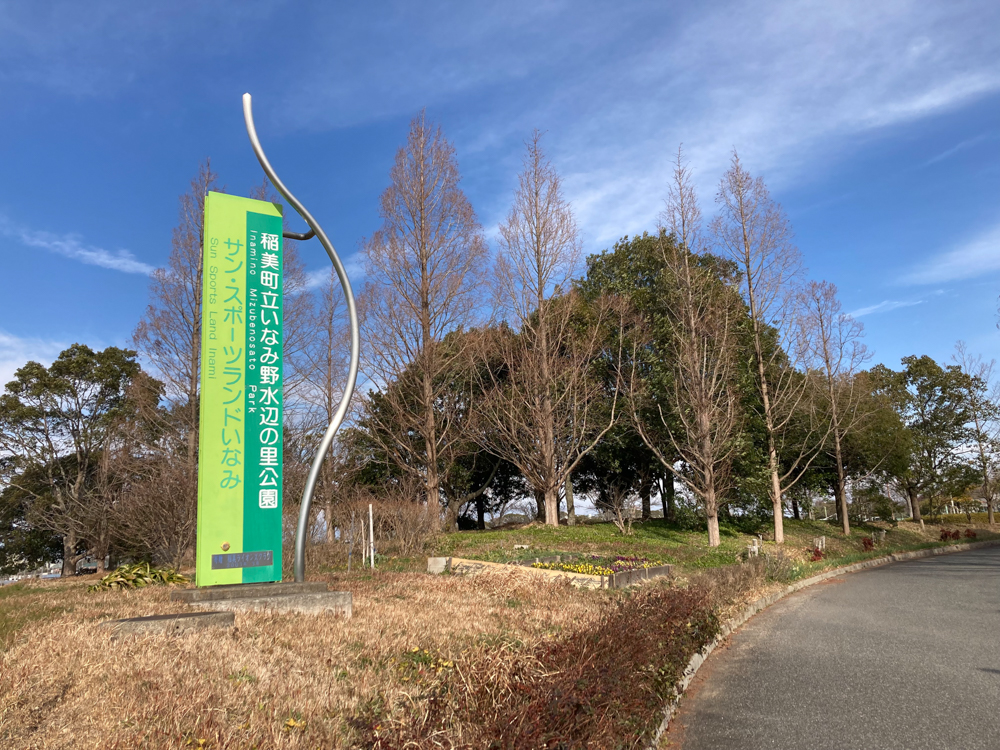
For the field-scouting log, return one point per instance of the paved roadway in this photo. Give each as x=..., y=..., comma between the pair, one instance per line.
x=902, y=657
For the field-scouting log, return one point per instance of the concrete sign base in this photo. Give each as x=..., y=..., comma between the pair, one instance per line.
x=306, y=598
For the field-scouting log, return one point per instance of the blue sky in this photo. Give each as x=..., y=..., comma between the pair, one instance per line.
x=877, y=126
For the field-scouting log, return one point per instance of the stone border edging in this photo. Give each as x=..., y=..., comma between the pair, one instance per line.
x=764, y=602
x=623, y=579
x=463, y=566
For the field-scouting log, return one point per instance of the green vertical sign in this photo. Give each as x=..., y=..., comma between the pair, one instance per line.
x=239, y=450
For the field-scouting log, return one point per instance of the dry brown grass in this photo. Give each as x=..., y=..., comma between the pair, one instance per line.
x=488, y=646
x=65, y=684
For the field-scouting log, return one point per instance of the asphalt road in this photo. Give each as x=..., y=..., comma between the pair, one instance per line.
x=904, y=657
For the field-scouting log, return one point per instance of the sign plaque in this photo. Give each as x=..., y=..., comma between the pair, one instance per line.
x=241, y=409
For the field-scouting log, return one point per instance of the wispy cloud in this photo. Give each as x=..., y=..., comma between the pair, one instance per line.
x=790, y=88
x=790, y=83
x=71, y=246
x=884, y=306
x=978, y=256
x=97, y=50
x=948, y=153
x=15, y=351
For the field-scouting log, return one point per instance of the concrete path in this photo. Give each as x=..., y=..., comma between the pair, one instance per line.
x=903, y=657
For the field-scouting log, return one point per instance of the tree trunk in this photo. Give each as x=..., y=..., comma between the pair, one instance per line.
x=430, y=441
x=645, y=491
x=914, y=506
x=539, y=505
x=328, y=517
x=571, y=507
x=69, y=555
x=772, y=453
x=712, y=514
x=989, y=512
x=778, y=506
x=668, y=499
x=795, y=510
x=840, y=496
x=841, y=492
x=481, y=513
x=451, y=514
x=551, y=506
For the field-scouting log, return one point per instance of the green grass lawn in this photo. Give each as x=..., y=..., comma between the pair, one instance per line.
x=658, y=540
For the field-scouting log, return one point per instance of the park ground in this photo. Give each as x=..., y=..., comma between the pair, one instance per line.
x=426, y=661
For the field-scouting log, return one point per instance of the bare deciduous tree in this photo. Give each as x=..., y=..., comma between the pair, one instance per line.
x=834, y=350
x=700, y=351
x=752, y=230
x=169, y=334
x=144, y=484
x=321, y=364
x=426, y=266
x=545, y=409
x=984, y=417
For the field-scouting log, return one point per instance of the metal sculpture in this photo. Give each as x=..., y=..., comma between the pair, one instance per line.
x=315, y=230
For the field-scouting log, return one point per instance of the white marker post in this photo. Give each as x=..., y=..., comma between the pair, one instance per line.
x=371, y=534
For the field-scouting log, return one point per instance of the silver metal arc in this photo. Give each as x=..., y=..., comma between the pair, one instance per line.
x=302, y=529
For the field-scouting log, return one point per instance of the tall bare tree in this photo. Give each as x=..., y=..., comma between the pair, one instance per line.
x=143, y=483
x=984, y=421
x=169, y=334
x=321, y=363
x=698, y=347
x=546, y=409
x=752, y=230
x=834, y=350
x=426, y=265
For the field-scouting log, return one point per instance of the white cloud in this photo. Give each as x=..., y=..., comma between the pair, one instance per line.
x=884, y=306
x=15, y=352
x=317, y=277
x=355, y=272
x=70, y=246
x=789, y=84
x=978, y=256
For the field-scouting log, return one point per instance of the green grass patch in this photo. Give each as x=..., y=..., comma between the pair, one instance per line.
x=20, y=605
x=672, y=544
x=653, y=539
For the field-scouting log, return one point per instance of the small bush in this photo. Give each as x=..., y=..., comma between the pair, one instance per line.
x=817, y=554
x=956, y=535
x=137, y=576
x=868, y=543
x=779, y=566
x=945, y=535
x=970, y=534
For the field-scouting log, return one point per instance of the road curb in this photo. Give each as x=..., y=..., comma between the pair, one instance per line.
x=766, y=601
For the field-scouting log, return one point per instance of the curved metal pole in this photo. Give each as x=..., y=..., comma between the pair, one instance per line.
x=352, y=374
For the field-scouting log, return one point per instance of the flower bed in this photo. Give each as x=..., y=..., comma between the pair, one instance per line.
x=595, y=565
